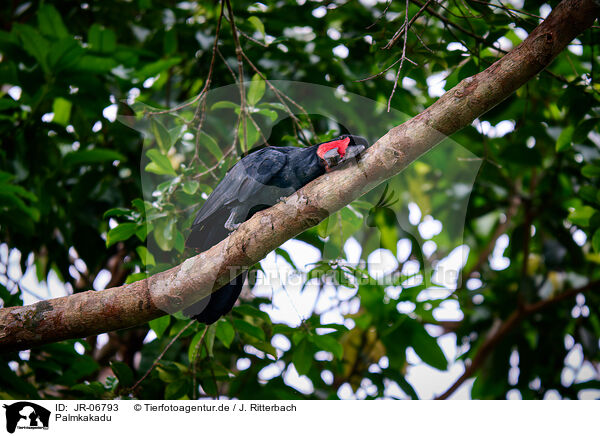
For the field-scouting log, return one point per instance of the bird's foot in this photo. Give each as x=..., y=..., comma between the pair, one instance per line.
x=231, y=227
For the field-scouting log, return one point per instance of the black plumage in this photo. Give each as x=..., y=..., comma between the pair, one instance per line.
x=255, y=183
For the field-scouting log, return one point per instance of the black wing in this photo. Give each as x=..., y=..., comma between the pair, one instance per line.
x=243, y=181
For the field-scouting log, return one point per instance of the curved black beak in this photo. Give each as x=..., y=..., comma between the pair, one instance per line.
x=357, y=145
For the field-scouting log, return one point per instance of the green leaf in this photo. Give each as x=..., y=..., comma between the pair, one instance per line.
x=160, y=325
x=581, y=216
x=225, y=105
x=146, y=257
x=225, y=332
x=116, y=211
x=64, y=54
x=95, y=64
x=33, y=43
x=407, y=388
x=62, y=111
x=51, y=23
x=268, y=113
x=252, y=312
x=258, y=25
x=6, y=177
x=584, y=128
x=102, y=40
x=164, y=233
x=591, y=171
x=589, y=193
x=175, y=133
x=123, y=373
x=131, y=278
x=120, y=233
x=210, y=339
x=564, y=140
x=10, y=197
x=179, y=241
x=256, y=90
x=190, y=187
x=155, y=68
x=426, y=346
x=249, y=329
x=275, y=106
x=211, y=145
x=160, y=164
x=192, y=353
x=328, y=343
x=5, y=103
x=20, y=191
x=91, y=390
x=93, y=156
x=318, y=272
x=160, y=132
x=169, y=372
x=176, y=389
x=265, y=347
x=170, y=42
x=252, y=135
x=302, y=357
x=596, y=241
x=286, y=256
x=143, y=230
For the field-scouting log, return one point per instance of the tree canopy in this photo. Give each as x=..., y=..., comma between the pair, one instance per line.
x=491, y=241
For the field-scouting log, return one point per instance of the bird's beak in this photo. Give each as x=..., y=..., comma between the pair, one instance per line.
x=353, y=151
x=332, y=157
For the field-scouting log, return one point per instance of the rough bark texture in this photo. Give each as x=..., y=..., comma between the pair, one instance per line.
x=93, y=312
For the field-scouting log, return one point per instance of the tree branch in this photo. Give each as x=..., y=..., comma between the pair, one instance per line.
x=92, y=312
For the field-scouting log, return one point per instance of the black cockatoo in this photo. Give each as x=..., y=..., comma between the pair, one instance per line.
x=257, y=182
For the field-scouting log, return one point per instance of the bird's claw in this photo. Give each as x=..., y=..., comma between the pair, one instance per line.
x=232, y=227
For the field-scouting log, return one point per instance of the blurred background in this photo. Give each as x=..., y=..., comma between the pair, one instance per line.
x=472, y=274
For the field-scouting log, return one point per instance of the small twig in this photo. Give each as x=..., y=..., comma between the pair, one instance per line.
x=447, y=21
x=407, y=24
x=384, y=71
x=238, y=54
x=194, y=361
x=506, y=8
x=282, y=98
x=421, y=41
x=262, y=135
x=403, y=55
x=218, y=164
x=160, y=356
x=202, y=106
x=387, y=6
x=208, y=79
x=212, y=373
x=466, y=16
x=245, y=35
x=227, y=65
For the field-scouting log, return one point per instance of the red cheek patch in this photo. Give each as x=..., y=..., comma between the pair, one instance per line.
x=340, y=144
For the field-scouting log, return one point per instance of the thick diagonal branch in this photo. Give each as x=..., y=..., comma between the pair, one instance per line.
x=93, y=312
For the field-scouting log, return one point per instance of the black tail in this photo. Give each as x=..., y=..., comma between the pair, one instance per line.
x=219, y=303
x=203, y=236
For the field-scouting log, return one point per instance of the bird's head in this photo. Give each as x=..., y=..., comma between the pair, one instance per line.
x=340, y=150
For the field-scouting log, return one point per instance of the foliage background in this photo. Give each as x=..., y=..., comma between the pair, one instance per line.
x=73, y=216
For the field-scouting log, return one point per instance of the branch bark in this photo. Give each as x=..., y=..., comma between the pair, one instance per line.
x=93, y=312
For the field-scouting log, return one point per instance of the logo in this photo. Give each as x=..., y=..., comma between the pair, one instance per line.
x=26, y=415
